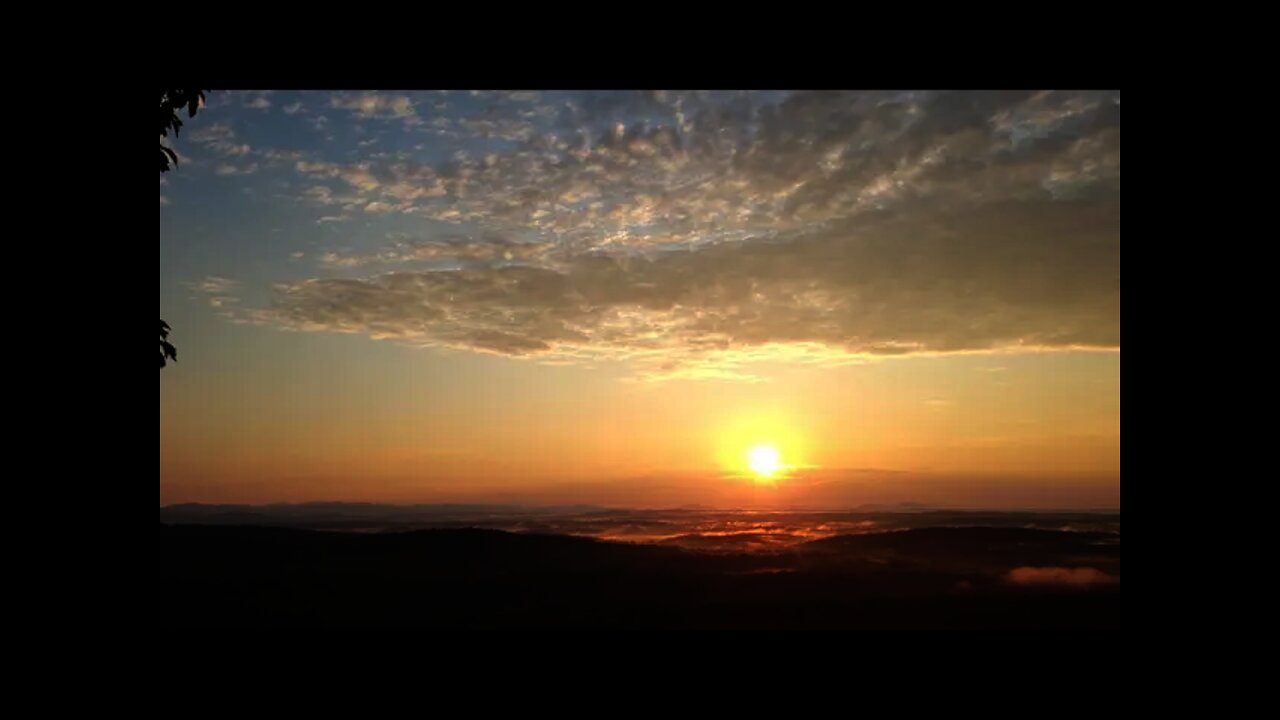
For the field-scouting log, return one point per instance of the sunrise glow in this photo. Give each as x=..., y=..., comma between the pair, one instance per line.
x=764, y=461
x=746, y=360
x=643, y=299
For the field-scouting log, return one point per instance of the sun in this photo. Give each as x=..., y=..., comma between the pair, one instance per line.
x=764, y=461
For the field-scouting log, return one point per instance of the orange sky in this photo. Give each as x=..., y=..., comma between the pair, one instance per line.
x=1037, y=429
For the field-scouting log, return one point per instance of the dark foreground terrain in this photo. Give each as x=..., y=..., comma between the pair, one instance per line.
x=933, y=578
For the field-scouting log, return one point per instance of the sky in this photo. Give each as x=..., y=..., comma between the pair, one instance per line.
x=614, y=297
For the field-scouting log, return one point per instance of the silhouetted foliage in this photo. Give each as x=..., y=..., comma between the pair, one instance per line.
x=167, y=350
x=171, y=102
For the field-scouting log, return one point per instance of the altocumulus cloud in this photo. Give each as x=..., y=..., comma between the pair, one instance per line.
x=695, y=232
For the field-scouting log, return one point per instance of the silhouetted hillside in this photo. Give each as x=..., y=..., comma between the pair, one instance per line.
x=934, y=578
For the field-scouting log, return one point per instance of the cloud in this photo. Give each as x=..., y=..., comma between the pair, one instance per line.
x=323, y=169
x=695, y=233
x=294, y=108
x=275, y=157
x=216, y=291
x=523, y=95
x=221, y=139
x=254, y=99
x=453, y=249
x=230, y=169
x=714, y=172
x=911, y=284
x=372, y=105
x=163, y=201
x=512, y=129
x=1060, y=576
x=215, y=284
